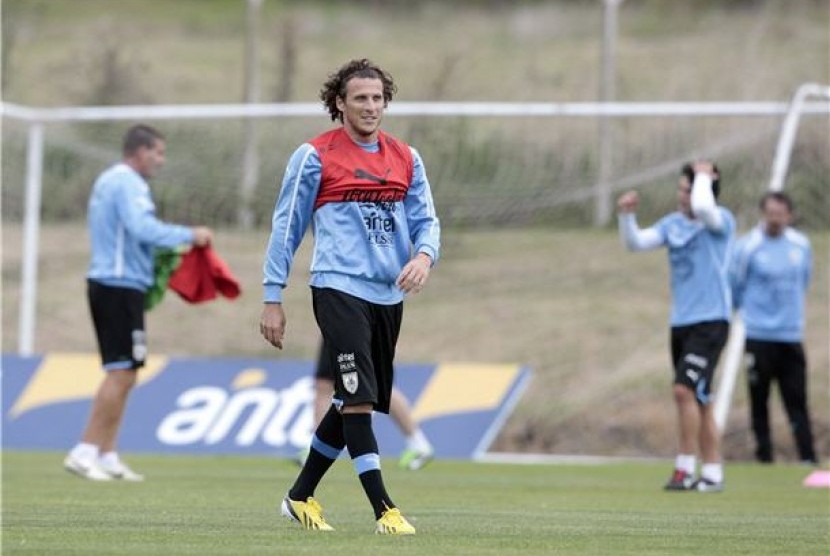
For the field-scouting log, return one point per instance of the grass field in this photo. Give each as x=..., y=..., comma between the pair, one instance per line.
x=226, y=505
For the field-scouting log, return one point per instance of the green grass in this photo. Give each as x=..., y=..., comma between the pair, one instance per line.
x=226, y=505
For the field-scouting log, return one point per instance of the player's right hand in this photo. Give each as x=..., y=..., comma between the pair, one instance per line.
x=705, y=167
x=202, y=236
x=272, y=324
x=628, y=202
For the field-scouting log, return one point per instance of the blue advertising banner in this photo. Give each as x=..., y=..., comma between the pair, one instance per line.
x=237, y=405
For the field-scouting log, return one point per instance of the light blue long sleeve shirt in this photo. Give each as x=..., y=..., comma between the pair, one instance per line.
x=123, y=229
x=698, y=261
x=770, y=277
x=359, y=248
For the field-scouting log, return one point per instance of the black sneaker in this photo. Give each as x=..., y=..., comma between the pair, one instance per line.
x=763, y=455
x=680, y=480
x=705, y=485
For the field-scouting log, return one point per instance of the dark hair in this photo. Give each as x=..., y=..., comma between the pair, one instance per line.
x=138, y=136
x=782, y=198
x=335, y=86
x=689, y=171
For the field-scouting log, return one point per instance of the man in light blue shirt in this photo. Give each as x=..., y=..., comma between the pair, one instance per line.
x=698, y=237
x=124, y=230
x=770, y=274
x=366, y=197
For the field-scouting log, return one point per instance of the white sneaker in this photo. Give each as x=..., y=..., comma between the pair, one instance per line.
x=706, y=485
x=88, y=469
x=119, y=470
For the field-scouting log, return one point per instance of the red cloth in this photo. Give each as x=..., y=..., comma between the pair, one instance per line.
x=201, y=274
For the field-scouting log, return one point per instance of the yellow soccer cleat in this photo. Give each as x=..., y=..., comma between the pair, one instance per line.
x=393, y=523
x=309, y=514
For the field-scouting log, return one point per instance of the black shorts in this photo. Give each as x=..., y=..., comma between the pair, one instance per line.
x=695, y=350
x=118, y=316
x=359, y=339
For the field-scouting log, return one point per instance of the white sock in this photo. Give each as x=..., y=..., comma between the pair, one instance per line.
x=84, y=451
x=109, y=458
x=712, y=472
x=685, y=462
x=418, y=441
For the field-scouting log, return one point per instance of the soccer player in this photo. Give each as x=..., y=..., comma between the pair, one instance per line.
x=698, y=237
x=770, y=274
x=418, y=451
x=376, y=237
x=123, y=230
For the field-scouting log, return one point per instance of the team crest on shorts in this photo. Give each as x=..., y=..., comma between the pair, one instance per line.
x=350, y=382
x=139, y=345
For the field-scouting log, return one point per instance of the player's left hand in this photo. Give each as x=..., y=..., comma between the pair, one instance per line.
x=414, y=274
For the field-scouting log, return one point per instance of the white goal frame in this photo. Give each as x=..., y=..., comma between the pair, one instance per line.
x=38, y=119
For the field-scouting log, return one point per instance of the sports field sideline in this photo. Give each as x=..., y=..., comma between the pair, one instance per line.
x=227, y=505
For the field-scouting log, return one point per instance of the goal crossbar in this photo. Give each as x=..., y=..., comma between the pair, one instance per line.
x=443, y=109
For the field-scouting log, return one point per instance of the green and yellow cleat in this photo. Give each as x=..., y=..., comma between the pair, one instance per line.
x=414, y=460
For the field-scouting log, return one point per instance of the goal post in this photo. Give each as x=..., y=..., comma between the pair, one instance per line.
x=733, y=352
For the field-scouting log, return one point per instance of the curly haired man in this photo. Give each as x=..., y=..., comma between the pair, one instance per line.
x=376, y=238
